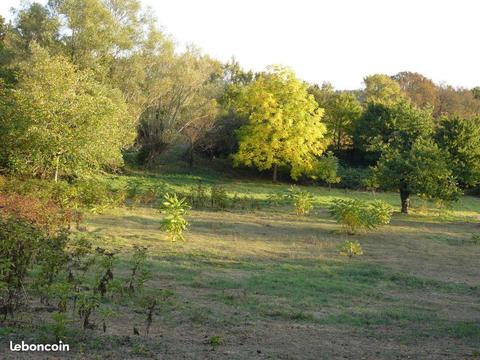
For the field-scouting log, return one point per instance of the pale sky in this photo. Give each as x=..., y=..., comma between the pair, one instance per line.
x=337, y=41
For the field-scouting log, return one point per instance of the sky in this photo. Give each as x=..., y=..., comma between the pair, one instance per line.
x=339, y=41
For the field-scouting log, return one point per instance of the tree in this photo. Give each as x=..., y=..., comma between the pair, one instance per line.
x=460, y=139
x=476, y=92
x=421, y=90
x=381, y=89
x=185, y=99
x=420, y=169
x=457, y=102
x=220, y=139
x=326, y=169
x=35, y=23
x=65, y=122
x=284, y=124
x=409, y=159
x=340, y=116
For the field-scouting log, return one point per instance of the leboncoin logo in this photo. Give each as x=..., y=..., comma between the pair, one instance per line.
x=39, y=347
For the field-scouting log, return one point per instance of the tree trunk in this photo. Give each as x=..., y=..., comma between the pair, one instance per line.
x=275, y=173
x=405, y=197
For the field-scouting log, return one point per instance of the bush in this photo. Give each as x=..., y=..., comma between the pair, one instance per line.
x=92, y=194
x=47, y=216
x=356, y=178
x=350, y=249
x=198, y=195
x=20, y=243
x=174, y=223
x=356, y=215
x=302, y=200
x=218, y=197
x=326, y=169
x=141, y=192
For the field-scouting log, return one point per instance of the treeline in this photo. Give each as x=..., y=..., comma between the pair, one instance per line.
x=81, y=81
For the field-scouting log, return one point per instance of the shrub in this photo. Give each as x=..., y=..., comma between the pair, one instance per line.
x=302, y=200
x=350, y=249
x=141, y=192
x=47, y=216
x=20, y=242
x=379, y=213
x=198, y=195
x=174, y=223
x=218, y=197
x=354, y=178
x=326, y=169
x=356, y=215
x=94, y=195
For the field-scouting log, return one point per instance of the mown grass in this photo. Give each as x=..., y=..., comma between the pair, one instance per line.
x=417, y=283
x=418, y=278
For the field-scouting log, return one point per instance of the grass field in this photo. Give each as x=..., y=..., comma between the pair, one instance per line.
x=258, y=282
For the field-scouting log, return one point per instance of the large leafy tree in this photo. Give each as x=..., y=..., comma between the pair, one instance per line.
x=341, y=114
x=460, y=140
x=184, y=102
x=457, y=102
x=381, y=89
x=409, y=161
x=421, y=90
x=342, y=110
x=64, y=123
x=284, y=124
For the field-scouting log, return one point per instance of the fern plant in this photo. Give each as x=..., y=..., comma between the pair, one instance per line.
x=174, y=223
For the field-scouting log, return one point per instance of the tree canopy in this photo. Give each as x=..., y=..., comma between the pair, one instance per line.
x=63, y=120
x=284, y=124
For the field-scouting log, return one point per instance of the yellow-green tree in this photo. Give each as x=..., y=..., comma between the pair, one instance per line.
x=64, y=123
x=382, y=89
x=284, y=125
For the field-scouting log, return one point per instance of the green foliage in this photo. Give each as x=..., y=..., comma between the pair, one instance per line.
x=87, y=303
x=65, y=123
x=302, y=200
x=354, y=178
x=284, y=124
x=460, y=139
x=92, y=194
x=342, y=110
x=382, y=89
x=351, y=249
x=20, y=244
x=218, y=196
x=355, y=215
x=186, y=104
x=174, y=223
x=61, y=322
x=401, y=135
x=51, y=259
x=198, y=196
x=215, y=341
x=326, y=169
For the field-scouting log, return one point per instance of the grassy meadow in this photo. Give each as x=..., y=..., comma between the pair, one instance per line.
x=255, y=280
